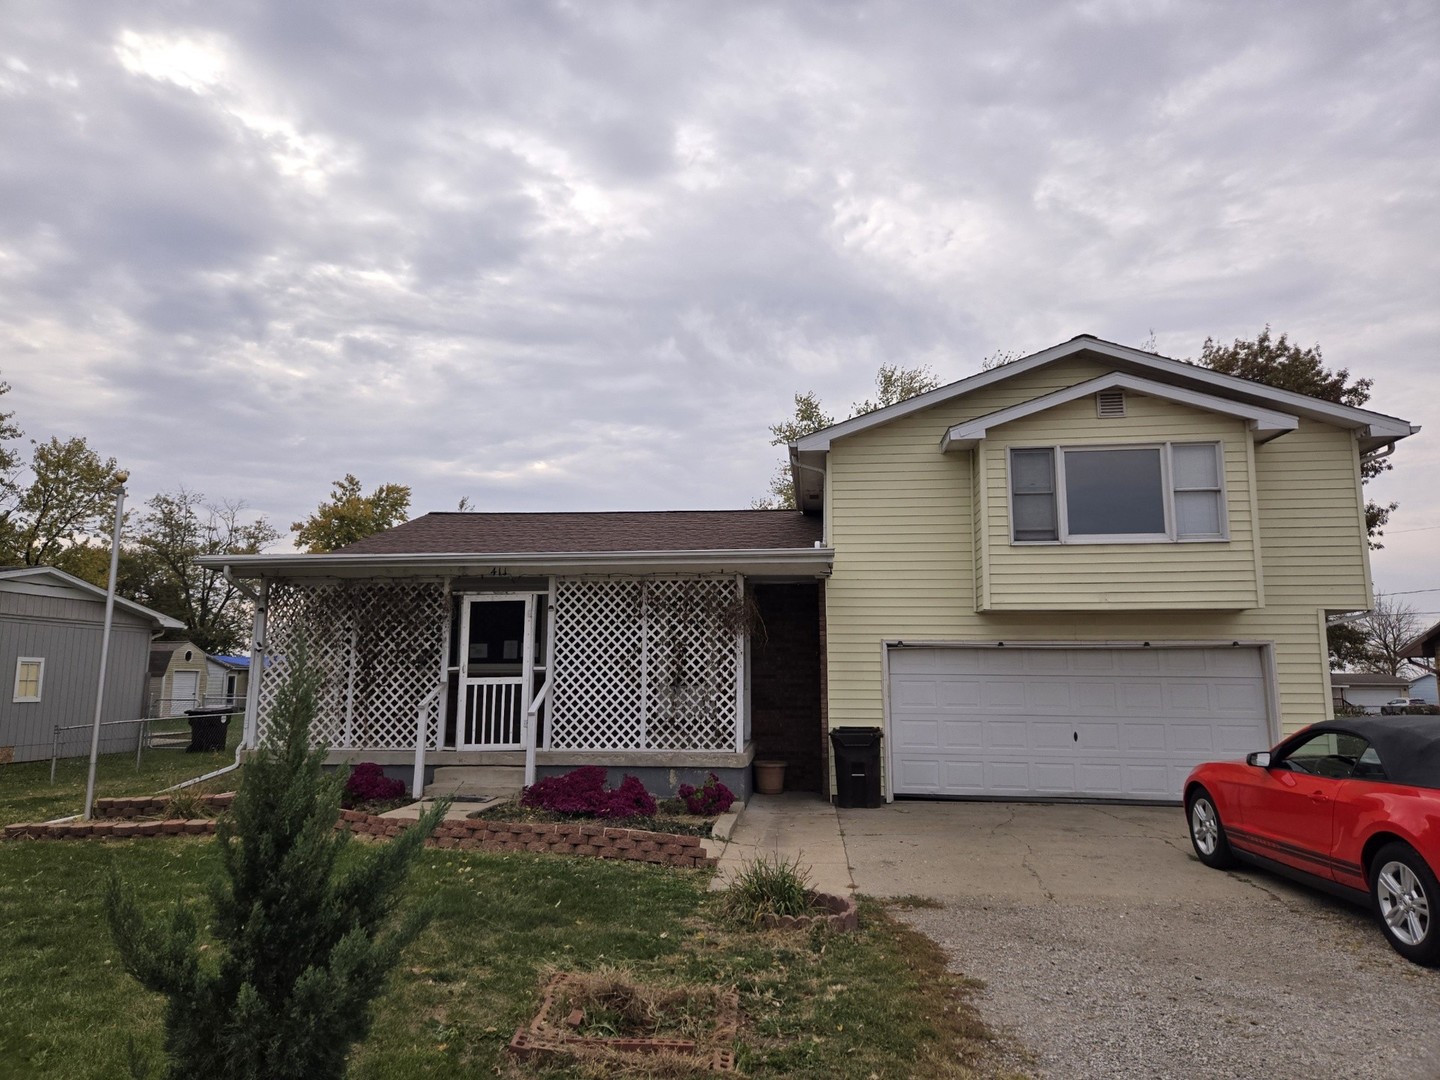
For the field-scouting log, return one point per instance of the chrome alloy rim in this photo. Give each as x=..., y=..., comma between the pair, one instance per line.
x=1403, y=903
x=1204, y=827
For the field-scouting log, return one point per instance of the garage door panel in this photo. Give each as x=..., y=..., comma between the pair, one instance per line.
x=961, y=734
x=1105, y=723
x=1008, y=734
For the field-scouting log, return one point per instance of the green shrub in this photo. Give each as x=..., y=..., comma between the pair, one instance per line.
x=301, y=946
x=767, y=887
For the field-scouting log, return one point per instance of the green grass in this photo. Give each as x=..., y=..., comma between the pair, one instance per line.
x=26, y=793
x=877, y=1003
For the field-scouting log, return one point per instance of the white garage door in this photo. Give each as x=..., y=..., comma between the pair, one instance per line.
x=1077, y=723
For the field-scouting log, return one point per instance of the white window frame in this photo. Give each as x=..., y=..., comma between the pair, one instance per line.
x=20, y=662
x=1167, y=487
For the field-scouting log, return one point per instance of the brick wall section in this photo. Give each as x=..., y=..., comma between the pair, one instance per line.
x=150, y=805
x=597, y=841
x=119, y=828
x=785, y=683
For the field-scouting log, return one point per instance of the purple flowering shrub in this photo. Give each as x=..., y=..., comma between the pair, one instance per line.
x=368, y=783
x=709, y=799
x=583, y=792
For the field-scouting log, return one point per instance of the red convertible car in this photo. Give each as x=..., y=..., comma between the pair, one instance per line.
x=1349, y=805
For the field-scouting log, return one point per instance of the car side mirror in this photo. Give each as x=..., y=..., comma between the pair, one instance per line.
x=1260, y=759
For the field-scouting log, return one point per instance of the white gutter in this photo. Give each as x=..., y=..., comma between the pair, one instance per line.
x=813, y=560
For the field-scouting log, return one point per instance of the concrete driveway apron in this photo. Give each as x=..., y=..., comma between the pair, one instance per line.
x=1109, y=951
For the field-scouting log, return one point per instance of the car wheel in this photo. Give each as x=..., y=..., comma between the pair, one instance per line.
x=1405, y=894
x=1206, y=832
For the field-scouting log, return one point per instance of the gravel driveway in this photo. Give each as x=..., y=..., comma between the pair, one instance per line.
x=1109, y=951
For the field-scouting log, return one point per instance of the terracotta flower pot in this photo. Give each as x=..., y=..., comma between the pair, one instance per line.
x=769, y=777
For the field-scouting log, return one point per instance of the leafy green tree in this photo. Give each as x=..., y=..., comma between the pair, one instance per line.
x=67, y=499
x=351, y=515
x=1281, y=363
x=892, y=384
x=302, y=944
x=1347, y=641
x=9, y=457
x=158, y=564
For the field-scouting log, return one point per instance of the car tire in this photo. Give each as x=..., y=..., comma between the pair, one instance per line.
x=1207, y=834
x=1406, y=898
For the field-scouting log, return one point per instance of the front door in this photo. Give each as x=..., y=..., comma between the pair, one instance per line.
x=497, y=634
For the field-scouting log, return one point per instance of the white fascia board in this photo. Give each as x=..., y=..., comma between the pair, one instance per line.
x=1265, y=422
x=1376, y=425
x=80, y=585
x=810, y=562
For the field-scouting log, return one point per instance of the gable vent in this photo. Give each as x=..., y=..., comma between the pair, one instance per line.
x=1110, y=403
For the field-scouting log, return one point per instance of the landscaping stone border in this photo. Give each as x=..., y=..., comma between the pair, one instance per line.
x=562, y=838
x=842, y=914
x=103, y=827
x=148, y=805
x=116, y=819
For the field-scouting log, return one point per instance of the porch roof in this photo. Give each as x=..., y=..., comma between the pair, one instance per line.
x=756, y=542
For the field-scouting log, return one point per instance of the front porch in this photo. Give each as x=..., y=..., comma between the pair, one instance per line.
x=650, y=676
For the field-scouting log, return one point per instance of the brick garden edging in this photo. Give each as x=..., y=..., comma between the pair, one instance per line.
x=114, y=819
x=842, y=913
x=102, y=827
x=563, y=838
x=148, y=805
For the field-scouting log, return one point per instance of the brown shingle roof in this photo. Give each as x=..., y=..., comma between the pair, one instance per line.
x=663, y=530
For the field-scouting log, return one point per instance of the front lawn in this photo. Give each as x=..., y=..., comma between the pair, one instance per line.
x=814, y=1004
x=26, y=793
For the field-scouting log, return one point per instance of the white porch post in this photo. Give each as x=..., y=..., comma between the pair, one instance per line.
x=740, y=671
x=250, y=737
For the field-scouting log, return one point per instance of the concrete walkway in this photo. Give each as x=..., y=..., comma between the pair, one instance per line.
x=794, y=826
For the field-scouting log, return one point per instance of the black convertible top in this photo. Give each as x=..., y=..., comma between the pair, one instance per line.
x=1409, y=746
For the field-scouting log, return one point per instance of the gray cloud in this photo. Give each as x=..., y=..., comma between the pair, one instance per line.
x=580, y=256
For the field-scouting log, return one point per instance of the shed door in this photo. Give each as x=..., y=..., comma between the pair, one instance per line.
x=184, y=691
x=1107, y=723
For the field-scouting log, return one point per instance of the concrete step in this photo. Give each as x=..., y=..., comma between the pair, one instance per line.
x=476, y=780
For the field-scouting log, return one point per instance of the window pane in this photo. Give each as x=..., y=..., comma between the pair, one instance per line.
x=1195, y=466
x=1197, y=513
x=1035, y=517
x=1114, y=492
x=1032, y=471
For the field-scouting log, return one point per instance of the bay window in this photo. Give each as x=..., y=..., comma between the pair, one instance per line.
x=1129, y=494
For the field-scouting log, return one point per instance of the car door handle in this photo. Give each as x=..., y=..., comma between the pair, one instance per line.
x=1319, y=797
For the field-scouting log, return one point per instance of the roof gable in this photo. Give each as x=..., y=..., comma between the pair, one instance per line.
x=78, y=587
x=1267, y=423
x=1376, y=428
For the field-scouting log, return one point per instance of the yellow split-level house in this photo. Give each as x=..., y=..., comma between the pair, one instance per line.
x=1073, y=576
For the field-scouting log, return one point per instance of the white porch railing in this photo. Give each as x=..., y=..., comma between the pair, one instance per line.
x=492, y=713
x=422, y=722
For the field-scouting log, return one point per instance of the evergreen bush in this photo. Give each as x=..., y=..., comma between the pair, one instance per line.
x=301, y=944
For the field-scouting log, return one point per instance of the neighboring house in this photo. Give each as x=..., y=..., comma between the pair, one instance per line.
x=1072, y=576
x=1367, y=690
x=226, y=679
x=183, y=676
x=1425, y=650
x=1424, y=689
x=51, y=629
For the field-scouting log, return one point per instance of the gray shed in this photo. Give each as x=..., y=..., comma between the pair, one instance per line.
x=51, y=625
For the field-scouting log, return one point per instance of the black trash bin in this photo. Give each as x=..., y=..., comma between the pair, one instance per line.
x=857, y=766
x=208, y=728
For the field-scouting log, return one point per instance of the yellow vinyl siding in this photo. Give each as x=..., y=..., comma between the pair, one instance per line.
x=1051, y=577
x=911, y=558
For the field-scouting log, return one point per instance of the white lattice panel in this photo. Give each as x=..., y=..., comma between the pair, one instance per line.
x=378, y=647
x=644, y=665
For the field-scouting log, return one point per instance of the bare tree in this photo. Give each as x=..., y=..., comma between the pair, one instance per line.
x=1389, y=627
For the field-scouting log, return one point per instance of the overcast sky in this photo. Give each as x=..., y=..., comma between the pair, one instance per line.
x=580, y=256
